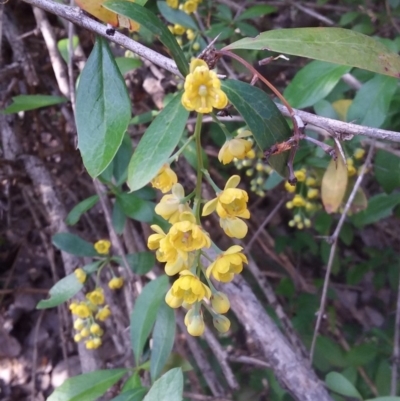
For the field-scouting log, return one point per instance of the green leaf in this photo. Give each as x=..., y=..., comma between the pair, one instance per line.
x=145, y=17
x=75, y=214
x=256, y=12
x=361, y=354
x=118, y=218
x=263, y=118
x=334, y=45
x=103, y=109
x=163, y=340
x=145, y=312
x=140, y=263
x=313, y=83
x=32, y=102
x=379, y=207
x=387, y=170
x=157, y=144
x=62, y=291
x=384, y=399
x=63, y=47
x=121, y=160
x=87, y=387
x=135, y=394
x=339, y=384
x=176, y=16
x=126, y=64
x=370, y=106
x=144, y=118
x=135, y=207
x=71, y=243
x=169, y=387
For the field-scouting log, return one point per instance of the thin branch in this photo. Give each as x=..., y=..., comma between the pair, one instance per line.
x=333, y=240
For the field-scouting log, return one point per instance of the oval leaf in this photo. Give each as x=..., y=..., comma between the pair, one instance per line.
x=371, y=104
x=313, y=83
x=75, y=214
x=32, y=102
x=62, y=291
x=145, y=312
x=334, y=184
x=334, y=45
x=163, y=340
x=71, y=243
x=140, y=263
x=339, y=384
x=103, y=109
x=145, y=17
x=88, y=387
x=263, y=118
x=169, y=387
x=157, y=144
x=135, y=394
x=386, y=169
x=136, y=208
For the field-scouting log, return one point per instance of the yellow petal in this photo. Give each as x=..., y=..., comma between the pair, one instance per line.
x=209, y=207
x=233, y=182
x=234, y=227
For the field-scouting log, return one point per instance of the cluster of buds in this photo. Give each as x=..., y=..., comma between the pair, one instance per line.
x=183, y=248
x=89, y=313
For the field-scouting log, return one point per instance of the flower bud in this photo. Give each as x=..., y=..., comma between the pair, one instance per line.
x=84, y=332
x=220, y=302
x=96, y=329
x=96, y=342
x=77, y=338
x=79, y=324
x=196, y=325
x=222, y=323
x=116, y=283
x=80, y=275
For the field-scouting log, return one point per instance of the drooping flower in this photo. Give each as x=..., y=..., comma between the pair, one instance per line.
x=80, y=275
x=103, y=314
x=96, y=297
x=227, y=264
x=194, y=323
x=298, y=201
x=81, y=310
x=170, y=207
x=359, y=153
x=116, y=283
x=237, y=147
x=220, y=302
x=187, y=288
x=231, y=207
x=300, y=175
x=103, y=246
x=190, y=6
x=165, y=179
x=203, y=89
x=221, y=323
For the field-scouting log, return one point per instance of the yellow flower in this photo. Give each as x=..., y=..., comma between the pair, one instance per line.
x=312, y=193
x=196, y=46
x=190, y=34
x=300, y=175
x=80, y=275
x=179, y=29
x=227, y=264
x=311, y=181
x=116, y=283
x=96, y=297
x=77, y=338
x=351, y=170
x=102, y=247
x=79, y=324
x=190, y=6
x=187, y=288
x=187, y=236
x=203, y=89
x=236, y=147
x=220, y=302
x=93, y=343
x=170, y=207
x=359, y=153
x=298, y=201
x=96, y=330
x=221, y=323
x=103, y=314
x=84, y=332
x=165, y=179
x=81, y=310
x=230, y=204
x=195, y=326
x=289, y=187
x=173, y=3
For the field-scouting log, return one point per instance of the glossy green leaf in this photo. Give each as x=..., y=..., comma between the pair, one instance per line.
x=256, y=11
x=32, y=102
x=313, y=83
x=339, y=384
x=163, y=340
x=73, y=244
x=87, y=387
x=126, y=64
x=62, y=291
x=175, y=16
x=379, y=207
x=157, y=144
x=169, y=387
x=135, y=207
x=334, y=45
x=63, y=47
x=371, y=104
x=140, y=262
x=135, y=394
x=103, y=109
x=263, y=118
x=121, y=160
x=145, y=17
x=75, y=214
x=145, y=312
x=386, y=169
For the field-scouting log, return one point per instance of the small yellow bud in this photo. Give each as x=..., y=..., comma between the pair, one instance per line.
x=289, y=205
x=96, y=342
x=222, y=323
x=311, y=181
x=77, y=338
x=289, y=187
x=196, y=46
x=103, y=314
x=297, y=218
x=196, y=326
x=79, y=324
x=96, y=297
x=300, y=226
x=179, y=30
x=116, y=283
x=307, y=223
x=359, y=153
x=349, y=161
x=312, y=193
x=190, y=34
x=89, y=344
x=80, y=275
x=298, y=201
x=300, y=175
x=351, y=170
x=102, y=247
x=259, y=167
x=220, y=302
x=291, y=223
x=84, y=332
x=96, y=329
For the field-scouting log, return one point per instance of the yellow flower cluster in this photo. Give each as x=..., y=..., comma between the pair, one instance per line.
x=87, y=312
x=237, y=148
x=189, y=6
x=203, y=89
